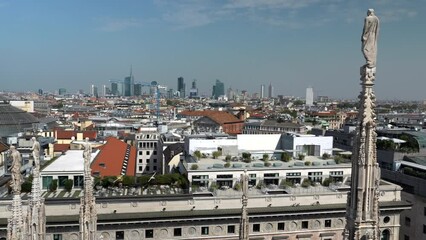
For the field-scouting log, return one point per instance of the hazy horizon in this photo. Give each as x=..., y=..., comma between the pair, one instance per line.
x=292, y=44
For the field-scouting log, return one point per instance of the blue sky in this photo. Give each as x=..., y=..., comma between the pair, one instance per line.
x=292, y=44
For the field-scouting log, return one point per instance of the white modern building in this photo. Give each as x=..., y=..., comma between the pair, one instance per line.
x=67, y=166
x=308, y=145
x=309, y=97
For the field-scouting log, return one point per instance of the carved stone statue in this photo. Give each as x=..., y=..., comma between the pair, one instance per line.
x=36, y=151
x=16, y=169
x=87, y=153
x=369, y=38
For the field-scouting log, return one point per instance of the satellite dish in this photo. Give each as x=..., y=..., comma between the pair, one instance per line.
x=154, y=83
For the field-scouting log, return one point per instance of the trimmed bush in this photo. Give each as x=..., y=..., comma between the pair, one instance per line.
x=246, y=155
x=301, y=156
x=227, y=164
x=26, y=186
x=68, y=184
x=197, y=154
x=228, y=158
x=265, y=157
x=308, y=163
x=194, y=167
x=306, y=183
x=327, y=182
x=53, y=185
x=237, y=187
x=326, y=156
x=267, y=163
x=338, y=159
x=285, y=157
x=216, y=154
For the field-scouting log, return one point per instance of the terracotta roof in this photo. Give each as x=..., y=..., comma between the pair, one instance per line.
x=61, y=147
x=68, y=134
x=109, y=161
x=219, y=117
x=3, y=147
x=92, y=134
x=223, y=117
x=63, y=134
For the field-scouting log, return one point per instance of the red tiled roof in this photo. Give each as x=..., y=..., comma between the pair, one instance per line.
x=223, y=117
x=219, y=117
x=68, y=134
x=3, y=147
x=63, y=134
x=92, y=134
x=60, y=147
x=112, y=155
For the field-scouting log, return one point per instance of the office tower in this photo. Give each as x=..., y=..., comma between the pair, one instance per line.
x=181, y=87
x=40, y=92
x=262, y=91
x=104, y=90
x=170, y=93
x=230, y=93
x=129, y=83
x=193, y=92
x=218, y=89
x=309, y=97
x=138, y=89
x=114, y=88
x=270, y=91
x=93, y=91
x=62, y=91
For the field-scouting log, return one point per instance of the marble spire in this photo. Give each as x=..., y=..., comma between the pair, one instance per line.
x=244, y=222
x=363, y=206
x=35, y=221
x=88, y=215
x=15, y=225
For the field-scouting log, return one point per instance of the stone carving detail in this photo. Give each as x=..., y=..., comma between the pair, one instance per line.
x=362, y=206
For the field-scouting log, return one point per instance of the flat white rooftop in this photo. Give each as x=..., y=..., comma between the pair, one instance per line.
x=71, y=161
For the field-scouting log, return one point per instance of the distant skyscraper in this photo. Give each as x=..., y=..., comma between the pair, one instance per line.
x=270, y=91
x=94, y=91
x=170, y=93
x=181, y=87
x=218, y=89
x=62, y=91
x=138, y=89
x=40, y=91
x=262, y=91
x=114, y=88
x=309, y=97
x=193, y=92
x=230, y=93
x=129, y=83
x=104, y=90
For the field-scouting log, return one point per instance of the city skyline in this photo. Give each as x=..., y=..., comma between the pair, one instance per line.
x=291, y=44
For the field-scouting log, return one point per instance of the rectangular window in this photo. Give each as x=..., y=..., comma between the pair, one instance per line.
x=147, y=168
x=140, y=160
x=62, y=180
x=407, y=221
x=424, y=211
x=424, y=229
x=140, y=168
x=57, y=236
x=327, y=223
x=177, y=232
x=154, y=153
x=155, y=160
x=140, y=144
x=149, y=233
x=305, y=224
x=102, y=165
x=147, y=161
x=78, y=181
x=231, y=228
x=204, y=230
x=406, y=237
x=154, y=168
x=147, y=153
x=281, y=226
x=119, y=235
x=256, y=227
x=140, y=152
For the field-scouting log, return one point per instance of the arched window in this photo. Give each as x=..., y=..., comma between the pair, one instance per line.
x=385, y=235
